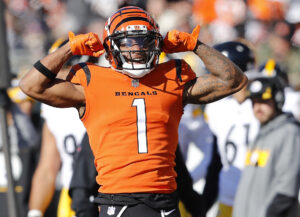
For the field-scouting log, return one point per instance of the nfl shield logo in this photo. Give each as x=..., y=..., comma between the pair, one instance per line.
x=111, y=210
x=135, y=82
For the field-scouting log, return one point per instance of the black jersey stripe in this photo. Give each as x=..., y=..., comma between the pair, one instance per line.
x=87, y=72
x=73, y=71
x=178, y=69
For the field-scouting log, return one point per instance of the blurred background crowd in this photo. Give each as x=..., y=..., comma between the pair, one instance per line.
x=270, y=28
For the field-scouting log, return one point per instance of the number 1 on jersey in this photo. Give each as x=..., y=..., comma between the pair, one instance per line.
x=141, y=125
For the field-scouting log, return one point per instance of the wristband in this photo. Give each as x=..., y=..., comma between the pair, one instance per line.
x=34, y=213
x=44, y=70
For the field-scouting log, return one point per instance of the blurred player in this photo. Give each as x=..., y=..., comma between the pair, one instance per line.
x=232, y=121
x=23, y=142
x=61, y=136
x=193, y=129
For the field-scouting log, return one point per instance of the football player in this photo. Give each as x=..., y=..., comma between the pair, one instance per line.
x=232, y=121
x=132, y=109
x=83, y=186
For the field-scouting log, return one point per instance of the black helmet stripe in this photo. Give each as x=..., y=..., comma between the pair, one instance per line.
x=130, y=19
x=131, y=12
x=120, y=12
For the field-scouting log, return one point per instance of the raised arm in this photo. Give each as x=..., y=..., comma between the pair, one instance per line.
x=41, y=82
x=224, y=76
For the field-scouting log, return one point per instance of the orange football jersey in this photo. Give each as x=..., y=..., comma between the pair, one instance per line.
x=133, y=125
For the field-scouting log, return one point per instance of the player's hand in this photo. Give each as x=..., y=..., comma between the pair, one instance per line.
x=86, y=44
x=176, y=41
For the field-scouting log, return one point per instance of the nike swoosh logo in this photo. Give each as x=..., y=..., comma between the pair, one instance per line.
x=169, y=212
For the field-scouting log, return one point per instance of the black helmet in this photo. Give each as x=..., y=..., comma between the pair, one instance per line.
x=271, y=68
x=239, y=53
x=266, y=88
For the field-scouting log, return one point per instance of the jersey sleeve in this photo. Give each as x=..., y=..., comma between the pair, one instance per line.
x=77, y=75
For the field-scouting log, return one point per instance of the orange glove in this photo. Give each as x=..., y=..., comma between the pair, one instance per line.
x=86, y=44
x=176, y=41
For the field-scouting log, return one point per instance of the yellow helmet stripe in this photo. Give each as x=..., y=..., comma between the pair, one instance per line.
x=270, y=66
